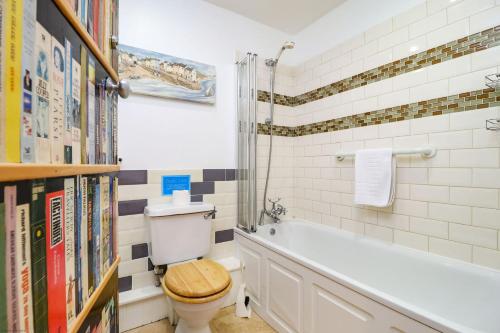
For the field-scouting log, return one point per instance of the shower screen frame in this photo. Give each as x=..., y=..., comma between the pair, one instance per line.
x=246, y=70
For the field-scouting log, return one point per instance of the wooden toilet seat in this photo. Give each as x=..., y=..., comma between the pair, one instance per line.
x=197, y=282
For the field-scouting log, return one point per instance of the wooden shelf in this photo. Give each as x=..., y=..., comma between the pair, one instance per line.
x=85, y=36
x=75, y=326
x=20, y=171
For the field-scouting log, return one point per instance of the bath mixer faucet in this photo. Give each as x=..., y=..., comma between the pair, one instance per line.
x=276, y=210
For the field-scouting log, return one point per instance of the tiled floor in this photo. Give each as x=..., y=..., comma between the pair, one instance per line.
x=224, y=322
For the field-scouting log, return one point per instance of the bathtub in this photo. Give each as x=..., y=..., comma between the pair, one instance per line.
x=310, y=278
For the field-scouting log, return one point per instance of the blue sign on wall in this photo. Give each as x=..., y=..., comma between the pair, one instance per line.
x=175, y=183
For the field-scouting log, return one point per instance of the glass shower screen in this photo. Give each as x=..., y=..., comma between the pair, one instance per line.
x=247, y=142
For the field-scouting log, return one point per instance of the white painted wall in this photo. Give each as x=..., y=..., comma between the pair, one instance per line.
x=157, y=133
x=342, y=23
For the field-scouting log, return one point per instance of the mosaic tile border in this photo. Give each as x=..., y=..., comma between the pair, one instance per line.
x=470, y=44
x=473, y=100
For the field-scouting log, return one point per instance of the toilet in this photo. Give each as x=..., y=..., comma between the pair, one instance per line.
x=180, y=233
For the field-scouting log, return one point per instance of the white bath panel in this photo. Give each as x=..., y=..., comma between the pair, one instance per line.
x=251, y=262
x=333, y=313
x=284, y=295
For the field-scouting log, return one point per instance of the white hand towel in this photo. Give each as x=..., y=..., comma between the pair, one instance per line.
x=375, y=177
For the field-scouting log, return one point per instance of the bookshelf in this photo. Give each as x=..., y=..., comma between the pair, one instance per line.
x=95, y=296
x=19, y=171
x=85, y=36
x=58, y=18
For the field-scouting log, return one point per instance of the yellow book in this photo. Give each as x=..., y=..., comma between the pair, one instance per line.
x=12, y=82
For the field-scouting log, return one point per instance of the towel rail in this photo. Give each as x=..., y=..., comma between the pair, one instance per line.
x=426, y=152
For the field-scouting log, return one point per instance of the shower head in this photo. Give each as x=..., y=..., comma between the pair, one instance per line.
x=286, y=46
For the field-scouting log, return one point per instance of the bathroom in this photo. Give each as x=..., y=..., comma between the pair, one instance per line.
x=198, y=166
x=415, y=79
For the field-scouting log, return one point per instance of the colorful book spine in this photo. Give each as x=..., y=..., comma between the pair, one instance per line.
x=76, y=129
x=77, y=248
x=2, y=85
x=3, y=271
x=83, y=241
x=12, y=88
x=96, y=229
x=90, y=18
x=28, y=113
x=96, y=21
x=83, y=106
x=69, y=231
x=105, y=219
x=115, y=218
x=56, y=276
x=11, y=274
x=57, y=103
x=91, y=111
x=98, y=124
x=38, y=258
x=114, y=137
x=90, y=234
x=68, y=102
x=23, y=259
x=42, y=94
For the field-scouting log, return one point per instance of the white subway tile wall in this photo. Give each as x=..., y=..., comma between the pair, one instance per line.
x=448, y=205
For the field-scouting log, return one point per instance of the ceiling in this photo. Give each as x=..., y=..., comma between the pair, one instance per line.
x=289, y=16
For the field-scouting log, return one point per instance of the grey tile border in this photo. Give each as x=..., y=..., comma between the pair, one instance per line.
x=133, y=177
x=230, y=174
x=125, y=283
x=132, y=207
x=150, y=265
x=214, y=174
x=139, y=251
x=197, y=198
x=202, y=188
x=224, y=236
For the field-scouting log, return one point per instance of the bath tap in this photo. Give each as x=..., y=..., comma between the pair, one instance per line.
x=276, y=210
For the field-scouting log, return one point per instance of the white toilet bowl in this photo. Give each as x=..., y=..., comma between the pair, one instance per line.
x=195, y=318
x=198, y=290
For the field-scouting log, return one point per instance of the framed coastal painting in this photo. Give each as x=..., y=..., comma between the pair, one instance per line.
x=155, y=74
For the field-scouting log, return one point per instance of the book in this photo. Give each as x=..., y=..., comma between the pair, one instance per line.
x=56, y=274
x=3, y=252
x=114, y=18
x=90, y=18
x=57, y=102
x=90, y=233
x=23, y=258
x=96, y=234
x=12, y=88
x=76, y=129
x=68, y=102
x=96, y=6
x=115, y=218
x=27, y=71
x=42, y=94
x=83, y=105
x=69, y=236
x=10, y=261
x=38, y=258
x=114, y=134
x=91, y=111
x=2, y=99
x=104, y=220
x=83, y=241
x=77, y=246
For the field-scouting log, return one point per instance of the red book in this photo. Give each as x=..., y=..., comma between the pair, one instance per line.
x=56, y=275
x=96, y=21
